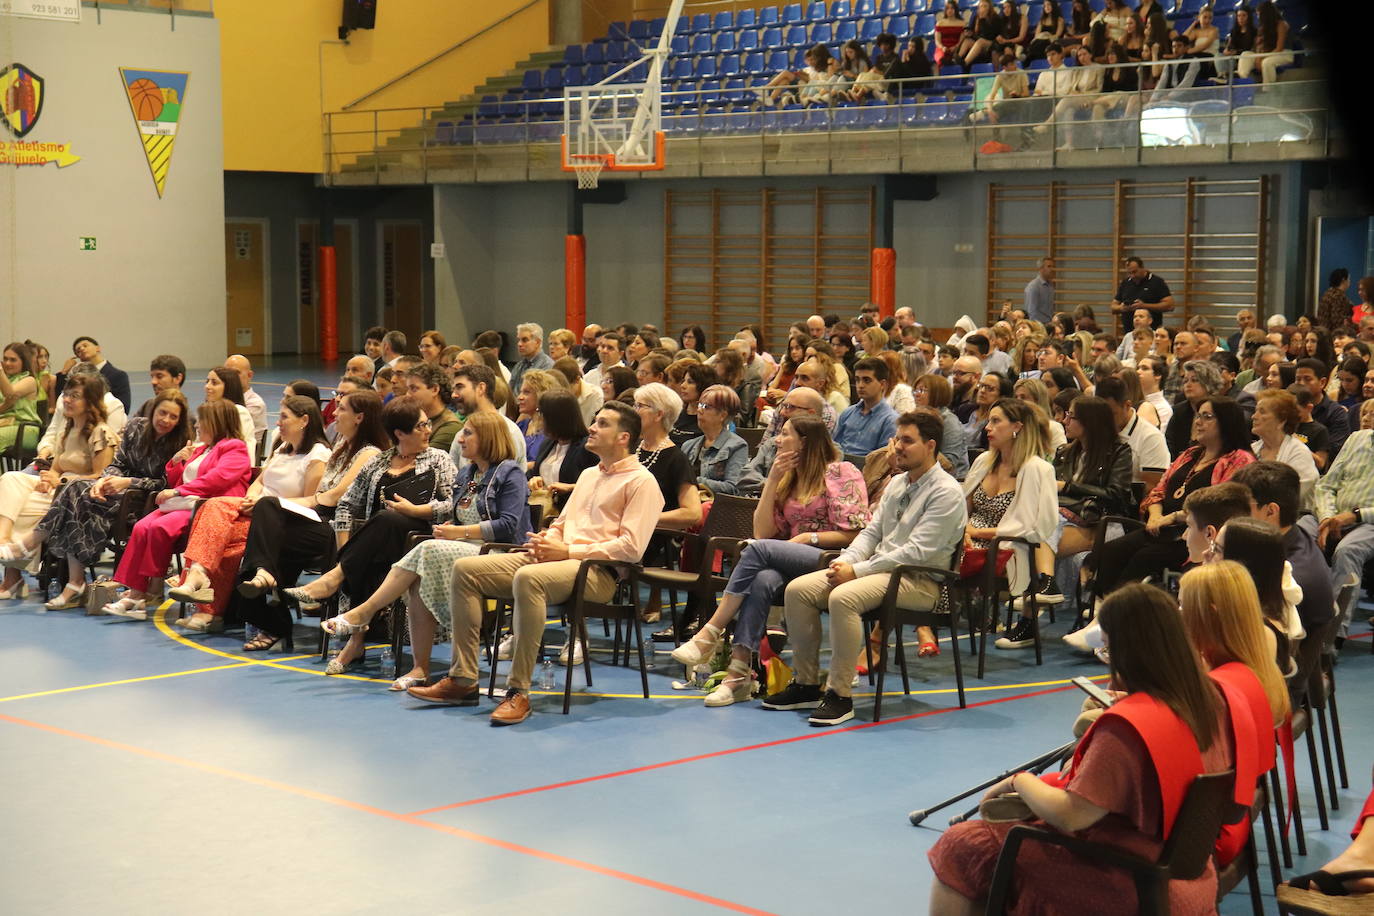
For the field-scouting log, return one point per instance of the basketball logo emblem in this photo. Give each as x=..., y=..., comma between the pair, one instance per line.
x=156, y=98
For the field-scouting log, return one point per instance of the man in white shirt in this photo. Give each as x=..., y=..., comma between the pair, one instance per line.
x=393, y=347
x=257, y=408
x=472, y=387
x=610, y=350
x=1050, y=85
x=1149, y=450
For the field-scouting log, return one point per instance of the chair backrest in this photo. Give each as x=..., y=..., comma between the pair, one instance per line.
x=731, y=517
x=856, y=460
x=753, y=437
x=1205, y=808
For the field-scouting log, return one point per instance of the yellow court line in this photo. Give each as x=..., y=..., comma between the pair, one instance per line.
x=161, y=621
x=131, y=680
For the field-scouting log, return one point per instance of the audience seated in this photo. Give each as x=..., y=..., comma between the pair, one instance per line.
x=1345, y=506
x=86, y=349
x=18, y=397
x=933, y=392
x=718, y=455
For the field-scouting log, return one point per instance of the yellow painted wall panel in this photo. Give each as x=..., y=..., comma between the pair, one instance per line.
x=282, y=66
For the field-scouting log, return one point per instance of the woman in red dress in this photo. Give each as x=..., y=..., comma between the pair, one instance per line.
x=1123, y=789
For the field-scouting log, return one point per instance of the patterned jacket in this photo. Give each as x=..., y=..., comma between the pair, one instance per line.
x=356, y=506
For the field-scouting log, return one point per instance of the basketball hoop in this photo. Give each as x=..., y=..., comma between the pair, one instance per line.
x=587, y=167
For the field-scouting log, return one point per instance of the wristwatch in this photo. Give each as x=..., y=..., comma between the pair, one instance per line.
x=815, y=539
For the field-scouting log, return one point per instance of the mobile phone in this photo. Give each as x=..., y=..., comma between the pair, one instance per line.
x=1094, y=691
x=42, y=464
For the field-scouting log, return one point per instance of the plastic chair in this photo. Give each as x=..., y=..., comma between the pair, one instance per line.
x=872, y=28
x=706, y=67
x=889, y=7
x=839, y=9
x=822, y=33
x=682, y=68
x=701, y=22
x=796, y=36
x=639, y=30
x=815, y=10
x=846, y=31
x=725, y=42
x=769, y=16
x=702, y=44
x=680, y=45
x=772, y=38
x=863, y=8
x=725, y=20
x=747, y=40
x=777, y=62
x=572, y=54
x=1185, y=856
x=753, y=63
x=729, y=65
x=593, y=54
x=792, y=14
x=746, y=19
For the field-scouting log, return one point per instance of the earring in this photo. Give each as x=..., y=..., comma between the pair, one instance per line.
x=1015, y=433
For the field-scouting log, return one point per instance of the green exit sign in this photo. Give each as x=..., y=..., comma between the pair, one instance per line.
x=87, y=243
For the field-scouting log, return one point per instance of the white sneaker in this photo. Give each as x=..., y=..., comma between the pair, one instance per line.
x=504, y=650
x=577, y=653
x=1085, y=639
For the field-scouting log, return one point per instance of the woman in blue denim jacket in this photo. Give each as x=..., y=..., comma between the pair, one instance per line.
x=718, y=455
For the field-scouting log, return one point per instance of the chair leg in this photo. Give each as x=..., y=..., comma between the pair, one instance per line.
x=639, y=650
x=1252, y=873
x=574, y=626
x=1266, y=815
x=1029, y=598
x=1336, y=733
x=1316, y=772
x=1299, y=831
x=878, y=693
x=586, y=651
x=901, y=660
x=985, y=624
x=1276, y=792
x=1332, y=797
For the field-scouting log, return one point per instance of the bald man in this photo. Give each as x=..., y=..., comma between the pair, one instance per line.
x=815, y=326
x=800, y=402
x=963, y=378
x=257, y=408
x=361, y=366
x=905, y=317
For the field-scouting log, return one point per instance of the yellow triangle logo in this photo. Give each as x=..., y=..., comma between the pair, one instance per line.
x=156, y=99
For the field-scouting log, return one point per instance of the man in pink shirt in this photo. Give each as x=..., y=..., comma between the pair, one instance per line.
x=610, y=516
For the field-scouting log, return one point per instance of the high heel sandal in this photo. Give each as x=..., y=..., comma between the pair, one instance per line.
x=692, y=653
x=63, y=602
x=263, y=642
x=875, y=649
x=16, y=553
x=337, y=626
x=203, y=595
x=737, y=687
x=18, y=592
x=302, y=600
x=261, y=583
x=132, y=608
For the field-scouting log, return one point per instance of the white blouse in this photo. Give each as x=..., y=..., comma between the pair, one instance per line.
x=284, y=475
x=550, y=466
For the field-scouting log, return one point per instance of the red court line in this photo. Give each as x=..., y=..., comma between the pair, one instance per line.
x=392, y=815
x=734, y=750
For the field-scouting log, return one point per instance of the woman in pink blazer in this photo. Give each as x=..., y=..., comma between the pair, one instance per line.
x=217, y=465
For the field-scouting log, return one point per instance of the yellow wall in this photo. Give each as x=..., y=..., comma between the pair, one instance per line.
x=272, y=60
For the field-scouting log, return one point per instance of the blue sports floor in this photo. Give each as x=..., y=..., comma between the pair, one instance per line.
x=150, y=772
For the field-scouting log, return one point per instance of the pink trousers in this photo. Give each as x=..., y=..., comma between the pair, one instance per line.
x=150, y=549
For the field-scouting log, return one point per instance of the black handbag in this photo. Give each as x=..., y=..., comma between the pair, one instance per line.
x=419, y=489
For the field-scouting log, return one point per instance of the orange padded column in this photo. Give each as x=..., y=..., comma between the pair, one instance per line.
x=329, y=304
x=575, y=283
x=883, y=285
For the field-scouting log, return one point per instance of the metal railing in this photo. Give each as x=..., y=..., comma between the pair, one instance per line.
x=174, y=7
x=936, y=123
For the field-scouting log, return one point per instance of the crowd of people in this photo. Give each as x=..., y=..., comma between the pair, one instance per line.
x=1247, y=457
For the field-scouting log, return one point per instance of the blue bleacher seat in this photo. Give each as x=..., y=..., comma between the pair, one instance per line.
x=776, y=61
x=593, y=74
x=839, y=9
x=729, y=64
x=706, y=67
x=846, y=31
x=617, y=51
x=799, y=59
x=510, y=106
x=1033, y=14
x=684, y=25
x=815, y=11
x=1223, y=24
x=725, y=20
x=534, y=79
x=889, y=7
x=639, y=30
x=915, y=6
x=701, y=22
x=900, y=27
x=792, y=14
x=845, y=115
x=710, y=93
x=656, y=26
x=553, y=78
x=772, y=38
x=746, y=19
x=822, y=33
x=753, y=62
x=594, y=54
x=572, y=76
x=769, y=16
x=572, y=54
x=617, y=30
x=958, y=108
x=735, y=93
x=1097, y=6
x=872, y=28
x=681, y=68
x=747, y=40
x=796, y=36
x=925, y=24
x=680, y=45
x=1040, y=64
x=864, y=9
x=725, y=42
x=951, y=78
x=981, y=68
x=1187, y=9
x=701, y=43
x=489, y=107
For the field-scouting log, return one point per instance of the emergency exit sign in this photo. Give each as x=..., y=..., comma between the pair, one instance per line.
x=87, y=243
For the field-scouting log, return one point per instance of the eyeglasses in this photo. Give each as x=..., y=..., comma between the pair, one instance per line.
x=1070, y=416
x=1206, y=415
x=423, y=424
x=988, y=386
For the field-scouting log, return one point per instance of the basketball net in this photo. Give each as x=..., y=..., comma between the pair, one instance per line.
x=587, y=168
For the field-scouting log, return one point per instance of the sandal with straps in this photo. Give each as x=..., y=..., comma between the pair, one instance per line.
x=1325, y=882
x=261, y=643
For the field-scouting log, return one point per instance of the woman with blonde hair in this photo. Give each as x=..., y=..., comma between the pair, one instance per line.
x=561, y=343
x=1136, y=395
x=1011, y=493
x=1034, y=391
x=533, y=385
x=874, y=341
x=899, y=394
x=832, y=389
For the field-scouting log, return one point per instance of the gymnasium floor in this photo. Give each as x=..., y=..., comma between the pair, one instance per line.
x=150, y=772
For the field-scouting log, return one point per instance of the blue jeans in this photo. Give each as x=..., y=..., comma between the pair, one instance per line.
x=761, y=576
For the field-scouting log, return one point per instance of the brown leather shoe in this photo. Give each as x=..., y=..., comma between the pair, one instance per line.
x=447, y=692
x=514, y=709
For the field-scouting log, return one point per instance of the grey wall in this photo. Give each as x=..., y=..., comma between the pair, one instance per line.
x=505, y=246
x=282, y=198
x=155, y=283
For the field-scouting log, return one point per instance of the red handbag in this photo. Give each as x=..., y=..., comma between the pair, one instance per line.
x=975, y=558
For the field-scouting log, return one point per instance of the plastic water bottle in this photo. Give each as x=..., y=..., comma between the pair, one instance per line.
x=388, y=662
x=336, y=644
x=546, y=674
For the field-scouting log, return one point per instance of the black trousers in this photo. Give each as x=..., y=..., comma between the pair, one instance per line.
x=284, y=544
x=370, y=553
x=1137, y=555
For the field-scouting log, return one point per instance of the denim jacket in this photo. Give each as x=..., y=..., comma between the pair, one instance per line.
x=722, y=464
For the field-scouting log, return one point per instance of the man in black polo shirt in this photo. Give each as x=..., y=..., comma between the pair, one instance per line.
x=1142, y=289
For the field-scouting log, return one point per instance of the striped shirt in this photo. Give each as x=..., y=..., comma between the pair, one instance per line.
x=1349, y=484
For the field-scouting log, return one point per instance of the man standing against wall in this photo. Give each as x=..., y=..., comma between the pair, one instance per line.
x=1039, y=299
x=1143, y=287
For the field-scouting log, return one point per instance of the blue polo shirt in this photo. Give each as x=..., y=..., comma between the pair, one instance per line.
x=858, y=433
x=1039, y=303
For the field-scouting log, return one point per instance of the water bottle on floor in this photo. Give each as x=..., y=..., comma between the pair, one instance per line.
x=388, y=663
x=546, y=674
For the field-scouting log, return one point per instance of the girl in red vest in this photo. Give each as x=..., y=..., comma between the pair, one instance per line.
x=1124, y=787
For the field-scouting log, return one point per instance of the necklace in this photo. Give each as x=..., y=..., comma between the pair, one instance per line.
x=1202, y=462
x=652, y=455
